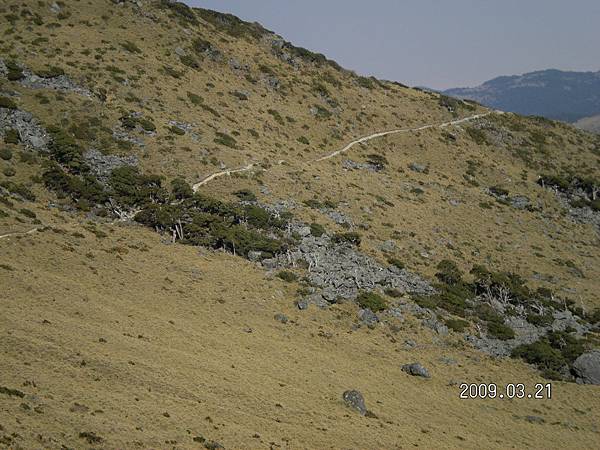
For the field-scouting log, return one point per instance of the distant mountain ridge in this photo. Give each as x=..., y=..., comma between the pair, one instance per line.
x=555, y=94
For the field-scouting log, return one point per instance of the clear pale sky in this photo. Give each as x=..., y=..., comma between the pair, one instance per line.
x=435, y=43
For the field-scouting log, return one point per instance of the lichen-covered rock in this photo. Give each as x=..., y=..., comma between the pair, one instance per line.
x=355, y=400
x=102, y=165
x=31, y=133
x=587, y=368
x=416, y=370
x=368, y=318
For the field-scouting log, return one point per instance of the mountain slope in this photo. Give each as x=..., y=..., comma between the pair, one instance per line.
x=137, y=313
x=555, y=94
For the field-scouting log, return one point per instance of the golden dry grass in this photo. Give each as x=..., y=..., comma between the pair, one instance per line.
x=176, y=320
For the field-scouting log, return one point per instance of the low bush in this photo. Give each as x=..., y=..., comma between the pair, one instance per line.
x=245, y=195
x=372, y=301
x=287, y=276
x=477, y=135
x=8, y=103
x=225, y=139
x=317, y=230
x=396, y=263
x=457, y=325
x=500, y=331
x=6, y=154
x=131, y=47
x=181, y=189
x=350, y=237
x=50, y=72
x=448, y=272
x=11, y=136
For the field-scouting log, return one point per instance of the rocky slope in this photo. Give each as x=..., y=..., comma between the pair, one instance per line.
x=290, y=299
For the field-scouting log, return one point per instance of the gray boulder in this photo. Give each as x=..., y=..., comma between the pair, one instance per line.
x=519, y=202
x=355, y=400
x=368, y=318
x=102, y=165
x=416, y=370
x=587, y=368
x=416, y=167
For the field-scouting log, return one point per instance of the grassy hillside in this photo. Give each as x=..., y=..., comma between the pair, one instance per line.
x=140, y=314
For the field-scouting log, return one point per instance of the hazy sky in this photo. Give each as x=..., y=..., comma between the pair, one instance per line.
x=435, y=43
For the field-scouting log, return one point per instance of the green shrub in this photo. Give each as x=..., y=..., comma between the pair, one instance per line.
x=8, y=103
x=477, y=135
x=181, y=189
x=181, y=10
x=317, y=230
x=303, y=140
x=6, y=154
x=11, y=136
x=379, y=161
x=457, y=325
x=147, y=124
x=78, y=188
x=541, y=354
x=195, y=99
x=499, y=191
x=276, y=116
x=540, y=320
x=226, y=140
x=28, y=213
x=372, y=301
x=365, y=82
x=65, y=149
x=245, y=195
x=500, y=331
x=287, y=276
x=15, y=73
x=18, y=189
x=556, y=181
x=350, y=237
x=131, y=47
x=50, y=72
x=396, y=263
x=9, y=172
x=394, y=293
x=176, y=130
x=450, y=103
x=321, y=113
x=131, y=188
x=190, y=61
x=449, y=272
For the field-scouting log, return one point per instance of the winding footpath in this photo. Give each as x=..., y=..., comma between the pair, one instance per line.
x=361, y=140
x=21, y=233
x=398, y=131
x=197, y=186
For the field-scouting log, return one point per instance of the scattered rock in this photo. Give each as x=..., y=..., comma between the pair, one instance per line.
x=58, y=82
x=31, y=133
x=416, y=167
x=416, y=370
x=355, y=400
x=587, y=368
x=302, y=304
x=388, y=246
x=535, y=419
x=519, y=202
x=437, y=326
x=254, y=256
x=102, y=165
x=368, y=318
